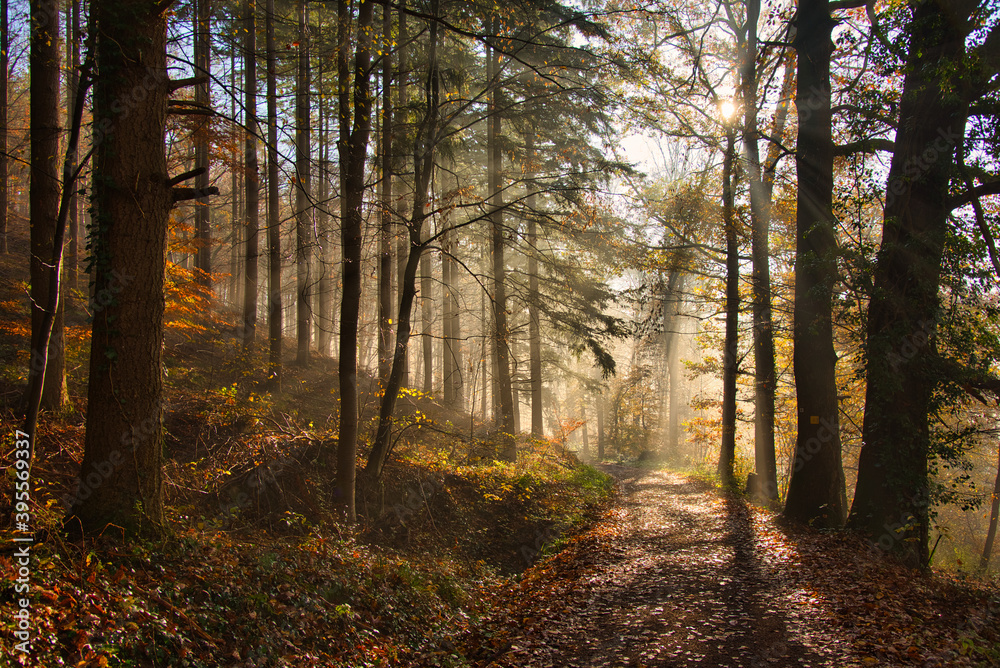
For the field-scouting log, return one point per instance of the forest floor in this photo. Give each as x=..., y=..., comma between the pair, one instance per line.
x=680, y=574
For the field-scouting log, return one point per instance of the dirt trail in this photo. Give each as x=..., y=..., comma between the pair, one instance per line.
x=674, y=580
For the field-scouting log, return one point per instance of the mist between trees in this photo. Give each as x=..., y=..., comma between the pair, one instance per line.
x=794, y=286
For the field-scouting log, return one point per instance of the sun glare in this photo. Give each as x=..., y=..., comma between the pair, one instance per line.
x=727, y=109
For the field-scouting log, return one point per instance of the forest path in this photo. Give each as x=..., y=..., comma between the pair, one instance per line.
x=671, y=577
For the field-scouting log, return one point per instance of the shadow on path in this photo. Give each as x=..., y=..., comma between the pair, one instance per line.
x=675, y=580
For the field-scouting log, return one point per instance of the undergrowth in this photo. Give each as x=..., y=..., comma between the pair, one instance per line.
x=255, y=568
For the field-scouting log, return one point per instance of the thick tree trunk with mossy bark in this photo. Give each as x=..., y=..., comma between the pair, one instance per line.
x=121, y=484
x=892, y=497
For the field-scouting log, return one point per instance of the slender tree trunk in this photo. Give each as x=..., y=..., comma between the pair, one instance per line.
x=44, y=195
x=674, y=403
x=4, y=77
x=324, y=333
x=72, y=86
x=202, y=96
x=991, y=533
x=457, y=343
x=423, y=167
x=452, y=358
x=252, y=178
x=448, y=342
x=353, y=146
x=385, y=201
x=727, y=453
x=400, y=162
x=274, y=310
x=600, y=428
x=671, y=316
x=237, y=221
x=534, y=322
x=501, y=334
x=816, y=492
x=121, y=484
x=763, y=333
x=303, y=193
x=892, y=497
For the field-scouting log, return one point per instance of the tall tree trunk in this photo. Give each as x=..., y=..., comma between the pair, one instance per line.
x=671, y=317
x=816, y=491
x=202, y=96
x=72, y=86
x=252, y=178
x=303, y=193
x=427, y=320
x=534, y=322
x=600, y=427
x=991, y=534
x=274, y=310
x=727, y=453
x=353, y=146
x=448, y=342
x=457, y=343
x=400, y=161
x=4, y=77
x=763, y=332
x=674, y=390
x=423, y=167
x=121, y=484
x=892, y=496
x=501, y=333
x=484, y=338
x=385, y=207
x=44, y=196
x=324, y=333
x=237, y=222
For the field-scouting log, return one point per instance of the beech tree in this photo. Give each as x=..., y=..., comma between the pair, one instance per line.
x=816, y=492
x=942, y=77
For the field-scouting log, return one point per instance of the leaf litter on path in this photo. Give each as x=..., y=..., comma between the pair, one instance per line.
x=678, y=574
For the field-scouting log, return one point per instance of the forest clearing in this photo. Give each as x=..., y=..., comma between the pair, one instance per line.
x=464, y=333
